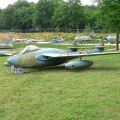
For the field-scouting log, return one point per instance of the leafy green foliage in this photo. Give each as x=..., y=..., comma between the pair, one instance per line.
x=19, y=15
x=70, y=15
x=1, y=19
x=61, y=14
x=44, y=12
x=110, y=14
x=91, y=16
x=110, y=10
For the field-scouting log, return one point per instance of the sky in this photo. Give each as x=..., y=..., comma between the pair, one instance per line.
x=4, y=3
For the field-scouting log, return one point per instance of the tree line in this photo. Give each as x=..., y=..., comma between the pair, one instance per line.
x=48, y=14
x=60, y=14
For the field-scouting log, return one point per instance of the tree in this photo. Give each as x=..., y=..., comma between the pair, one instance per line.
x=8, y=18
x=18, y=16
x=76, y=14
x=91, y=16
x=60, y=17
x=44, y=13
x=1, y=19
x=23, y=15
x=110, y=14
x=69, y=15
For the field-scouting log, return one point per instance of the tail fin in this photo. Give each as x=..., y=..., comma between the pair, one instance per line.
x=75, y=44
x=74, y=47
x=98, y=49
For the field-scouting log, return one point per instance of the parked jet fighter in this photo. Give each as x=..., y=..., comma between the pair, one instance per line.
x=35, y=57
x=111, y=38
x=57, y=41
x=83, y=38
x=6, y=43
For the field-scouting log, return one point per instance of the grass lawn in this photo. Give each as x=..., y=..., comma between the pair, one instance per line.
x=60, y=94
x=60, y=46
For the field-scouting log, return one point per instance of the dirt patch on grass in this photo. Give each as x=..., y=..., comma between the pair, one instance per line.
x=5, y=35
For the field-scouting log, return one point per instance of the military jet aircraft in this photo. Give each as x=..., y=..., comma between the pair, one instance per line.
x=83, y=38
x=35, y=57
x=6, y=43
x=57, y=41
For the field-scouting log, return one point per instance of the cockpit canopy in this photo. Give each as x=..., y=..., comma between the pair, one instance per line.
x=29, y=48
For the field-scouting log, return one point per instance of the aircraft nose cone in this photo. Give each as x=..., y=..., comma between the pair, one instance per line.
x=13, y=60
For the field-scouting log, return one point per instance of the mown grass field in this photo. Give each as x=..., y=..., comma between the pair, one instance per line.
x=60, y=94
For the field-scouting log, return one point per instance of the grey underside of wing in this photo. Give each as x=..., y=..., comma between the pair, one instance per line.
x=5, y=54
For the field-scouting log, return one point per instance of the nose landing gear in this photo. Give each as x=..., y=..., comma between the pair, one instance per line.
x=17, y=70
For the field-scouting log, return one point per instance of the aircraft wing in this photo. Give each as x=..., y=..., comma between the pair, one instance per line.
x=75, y=55
x=3, y=53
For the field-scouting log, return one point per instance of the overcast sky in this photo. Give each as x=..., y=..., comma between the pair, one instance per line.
x=4, y=3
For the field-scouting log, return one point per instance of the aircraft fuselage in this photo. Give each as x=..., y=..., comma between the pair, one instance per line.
x=37, y=58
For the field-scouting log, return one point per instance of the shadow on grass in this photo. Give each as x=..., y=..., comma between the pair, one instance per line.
x=104, y=68
x=62, y=68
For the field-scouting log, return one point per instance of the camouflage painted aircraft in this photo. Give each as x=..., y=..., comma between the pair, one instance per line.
x=6, y=43
x=35, y=57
